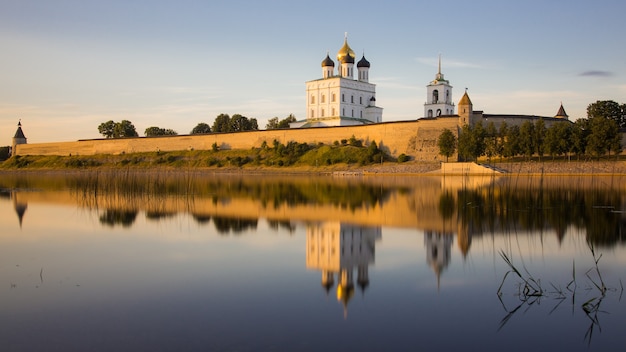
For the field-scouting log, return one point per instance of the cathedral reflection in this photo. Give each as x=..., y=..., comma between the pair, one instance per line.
x=339, y=250
x=438, y=247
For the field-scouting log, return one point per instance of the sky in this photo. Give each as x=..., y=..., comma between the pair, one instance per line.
x=68, y=65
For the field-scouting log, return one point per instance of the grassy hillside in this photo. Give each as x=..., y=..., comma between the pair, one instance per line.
x=292, y=154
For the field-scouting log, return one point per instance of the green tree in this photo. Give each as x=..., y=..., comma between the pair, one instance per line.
x=527, y=138
x=121, y=129
x=4, y=153
x=239, y=123
x=274, y=123
x=446, y=143
x=222, y=123
x=491, y=141
x=512, y=143
x=125, y=128
x=563, y=133
x=604, y=136
x=465, y=143
x=502, y=134
x=158, y=131
x=540, y=136
x=201, y=128
x=478, y=140
x=107, y=129
x=254, y=125
x=580, y=134
x=608, y=109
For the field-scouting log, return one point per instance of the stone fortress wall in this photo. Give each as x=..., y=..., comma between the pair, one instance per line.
x=416, y=138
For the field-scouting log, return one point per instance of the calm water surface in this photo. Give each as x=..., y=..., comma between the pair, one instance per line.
x=102, y=262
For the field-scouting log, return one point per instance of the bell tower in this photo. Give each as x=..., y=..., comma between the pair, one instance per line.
x=438, y=96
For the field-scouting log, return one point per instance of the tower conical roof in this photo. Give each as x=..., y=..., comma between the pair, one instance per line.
x=465, y=100
x=561, y=113
x=19, y=133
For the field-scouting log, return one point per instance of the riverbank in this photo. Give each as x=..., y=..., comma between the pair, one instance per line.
x=535, y=168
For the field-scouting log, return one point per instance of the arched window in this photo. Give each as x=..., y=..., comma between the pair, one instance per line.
x=430, y=113
x=352, y=99
x=332, y=97
x=322, y=112
x=323, y=98
x=312, y=113
x=435, y=96
x=438, y=112
x=312, y=99
x=447, y=96
x=361, y=100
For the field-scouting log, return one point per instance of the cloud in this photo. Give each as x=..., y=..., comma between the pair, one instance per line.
x=596, y=73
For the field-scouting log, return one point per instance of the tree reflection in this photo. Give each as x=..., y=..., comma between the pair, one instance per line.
x=112, y=217
x=225, y=225
x=596, y=211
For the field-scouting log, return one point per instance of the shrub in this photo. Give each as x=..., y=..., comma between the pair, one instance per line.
x=403, y=158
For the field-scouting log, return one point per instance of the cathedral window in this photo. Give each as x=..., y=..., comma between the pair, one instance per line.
x=312, y=113
x=312, y=99
x=333, y=112
x=435, y=96
x=352, y=112
x=352, y=99
x=322, y=112
x=447, y=96
x=343, y=97
x=323, y=100
x=361, y=100
x=333, y=98
x=430, y=113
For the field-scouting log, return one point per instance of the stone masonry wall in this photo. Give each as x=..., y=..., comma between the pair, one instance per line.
x=417, y=139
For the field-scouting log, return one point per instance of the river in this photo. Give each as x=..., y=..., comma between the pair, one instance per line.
x=104, y=261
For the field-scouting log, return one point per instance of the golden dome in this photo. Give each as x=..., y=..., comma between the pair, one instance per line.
x=345, y=53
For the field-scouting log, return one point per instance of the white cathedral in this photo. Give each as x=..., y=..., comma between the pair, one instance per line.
x=337, y=99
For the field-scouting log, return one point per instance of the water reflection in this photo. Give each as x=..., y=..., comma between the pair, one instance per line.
x=228, y=273
x=338, y=251
x=436, y=205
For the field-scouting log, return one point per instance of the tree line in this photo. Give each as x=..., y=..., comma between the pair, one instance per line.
x=597, y=135
x=223, y=123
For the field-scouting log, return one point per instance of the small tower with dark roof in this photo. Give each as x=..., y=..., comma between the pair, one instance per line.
x=363, y=66
x=328, y=67
x=561, y=114
x=466, y=110
x=19, y=138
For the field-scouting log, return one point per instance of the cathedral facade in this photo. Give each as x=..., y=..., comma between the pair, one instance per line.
x=338, y=99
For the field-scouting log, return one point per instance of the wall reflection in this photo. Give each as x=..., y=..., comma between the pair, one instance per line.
x=467, y=208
